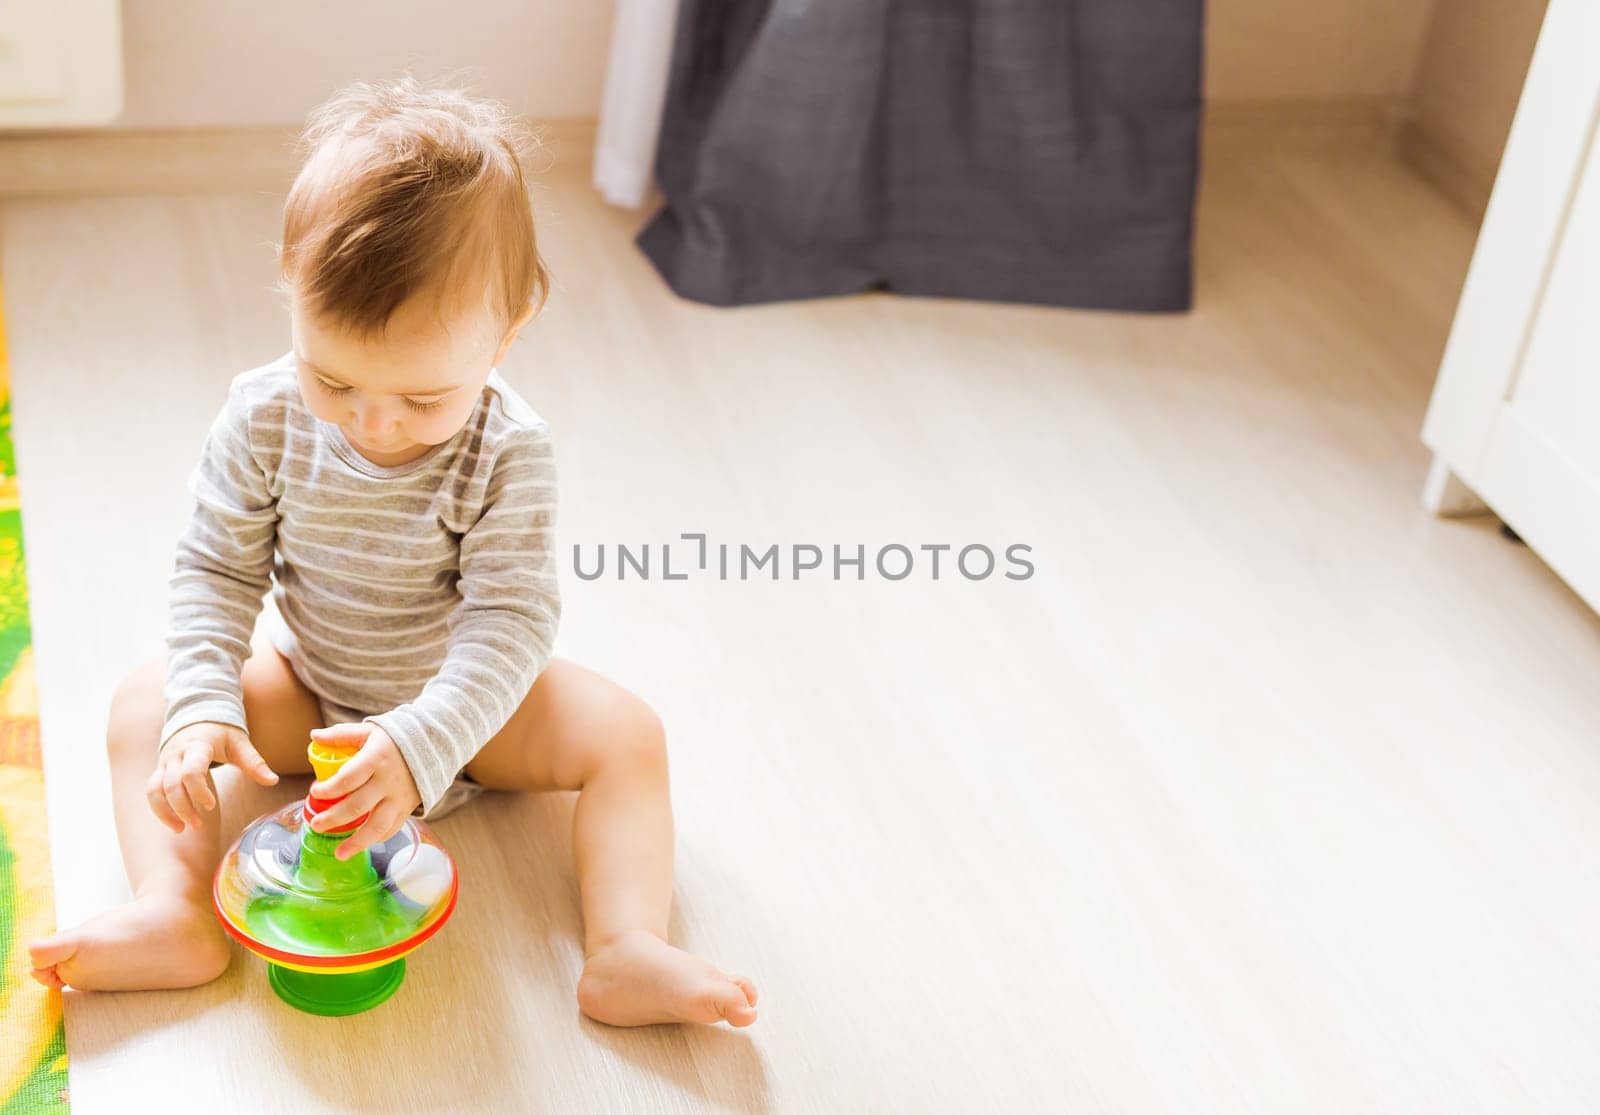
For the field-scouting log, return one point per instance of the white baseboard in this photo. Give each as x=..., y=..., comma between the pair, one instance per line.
x=107, y=161
x=1302, y=121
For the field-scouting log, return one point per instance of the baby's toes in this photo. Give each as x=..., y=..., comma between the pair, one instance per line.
x=733, y=1002
x=47, y=952
x=749, y=988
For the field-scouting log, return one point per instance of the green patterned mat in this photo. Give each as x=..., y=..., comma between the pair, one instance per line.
x=33, y=1044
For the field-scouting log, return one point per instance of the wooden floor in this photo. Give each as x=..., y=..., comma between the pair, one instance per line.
x=1266, y=793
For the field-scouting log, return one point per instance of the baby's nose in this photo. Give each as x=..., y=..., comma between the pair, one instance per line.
x=372, y=421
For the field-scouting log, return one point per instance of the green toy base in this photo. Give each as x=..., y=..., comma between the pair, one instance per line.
x=337, y=993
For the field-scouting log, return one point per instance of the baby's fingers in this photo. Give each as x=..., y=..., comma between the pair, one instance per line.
x=348, y=735
x=385, y=819
x=196, y=779
x=347, y=809
x=355, y=773
x=155, y=793
x=177, y=795
x=244, y=755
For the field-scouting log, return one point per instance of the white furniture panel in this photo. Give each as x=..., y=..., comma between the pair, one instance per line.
x=1515, y=415
x=1557, y=388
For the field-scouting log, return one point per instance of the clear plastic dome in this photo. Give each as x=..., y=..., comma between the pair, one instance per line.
x=282, y=893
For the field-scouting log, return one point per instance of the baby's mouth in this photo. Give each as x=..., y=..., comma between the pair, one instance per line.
x=367, y=445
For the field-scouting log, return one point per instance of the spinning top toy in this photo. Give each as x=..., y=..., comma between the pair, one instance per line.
x=334, y=932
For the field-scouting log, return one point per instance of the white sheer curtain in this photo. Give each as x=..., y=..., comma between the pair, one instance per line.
x=630, y=111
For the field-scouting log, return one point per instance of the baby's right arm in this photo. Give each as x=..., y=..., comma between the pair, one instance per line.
x=222, y=570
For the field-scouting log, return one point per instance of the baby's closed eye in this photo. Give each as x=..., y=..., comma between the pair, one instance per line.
x=425, y=404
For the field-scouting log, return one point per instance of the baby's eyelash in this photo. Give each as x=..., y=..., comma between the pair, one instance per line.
x=412, y=403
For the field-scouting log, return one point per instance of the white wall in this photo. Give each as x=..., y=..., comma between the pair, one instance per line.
x=1471, y=75
x=230, y=62
x=1262, y=50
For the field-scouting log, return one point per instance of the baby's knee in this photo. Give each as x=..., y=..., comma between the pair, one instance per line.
x=138, y=707
x=636, y=737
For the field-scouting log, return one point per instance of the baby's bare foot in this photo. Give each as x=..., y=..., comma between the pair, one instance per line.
x=159, y=939
x=638, y=979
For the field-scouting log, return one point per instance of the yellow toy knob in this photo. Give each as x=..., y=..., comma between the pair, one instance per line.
x=327, y=758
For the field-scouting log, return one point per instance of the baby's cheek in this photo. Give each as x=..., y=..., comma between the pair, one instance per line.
x=331, y=414
x=435, y=428
x=323, y=409
x=315, y=399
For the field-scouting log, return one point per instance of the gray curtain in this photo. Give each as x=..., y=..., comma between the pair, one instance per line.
x=1037, y=151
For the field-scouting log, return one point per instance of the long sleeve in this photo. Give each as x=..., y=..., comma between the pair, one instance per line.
x=502, y=631
x=222, y=570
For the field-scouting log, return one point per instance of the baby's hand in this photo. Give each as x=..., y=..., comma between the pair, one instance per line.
x=181, y=786
x=375, y=780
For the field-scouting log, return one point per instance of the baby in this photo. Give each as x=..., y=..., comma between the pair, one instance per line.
x=398, y=498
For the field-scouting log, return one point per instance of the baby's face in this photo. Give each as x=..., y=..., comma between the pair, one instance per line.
x=396, y=396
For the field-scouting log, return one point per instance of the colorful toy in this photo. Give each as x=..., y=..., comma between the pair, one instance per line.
x=334, y=932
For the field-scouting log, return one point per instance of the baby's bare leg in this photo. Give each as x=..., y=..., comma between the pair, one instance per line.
x=168, y=935
x=577, y=730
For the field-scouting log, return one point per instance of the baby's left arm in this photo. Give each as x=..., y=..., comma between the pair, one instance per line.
x=502, y=633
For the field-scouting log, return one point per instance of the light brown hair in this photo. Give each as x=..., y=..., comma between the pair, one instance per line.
x=410, y=191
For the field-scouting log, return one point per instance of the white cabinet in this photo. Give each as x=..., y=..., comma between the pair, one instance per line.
x=1515, y=416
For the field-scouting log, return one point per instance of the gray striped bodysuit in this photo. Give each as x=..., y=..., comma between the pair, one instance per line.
x=422, y=597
